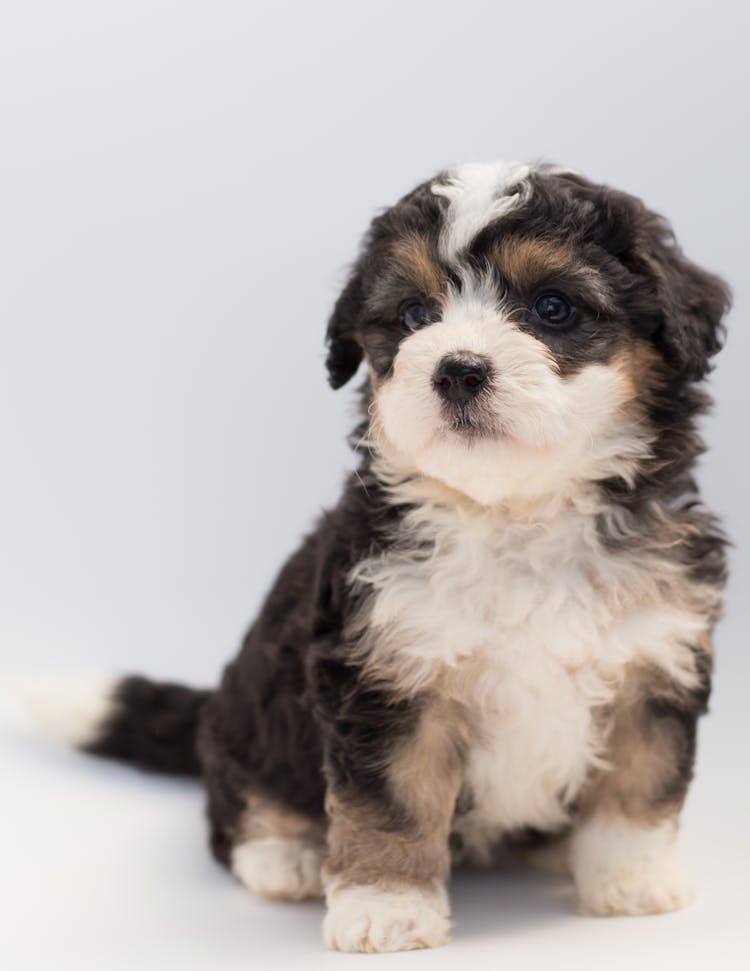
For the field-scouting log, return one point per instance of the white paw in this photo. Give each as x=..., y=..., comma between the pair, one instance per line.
x=370, y=919
x=623, y=869
x=279, y=867
x=636, y=890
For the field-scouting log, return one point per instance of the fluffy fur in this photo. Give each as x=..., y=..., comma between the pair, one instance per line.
x=501, y=634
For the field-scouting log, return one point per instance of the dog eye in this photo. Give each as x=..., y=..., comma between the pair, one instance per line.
x=552, y=309
x=414, y=314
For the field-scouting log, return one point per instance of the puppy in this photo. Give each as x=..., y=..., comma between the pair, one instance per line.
x=501, y=634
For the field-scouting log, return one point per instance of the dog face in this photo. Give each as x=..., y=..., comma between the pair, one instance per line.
x=520, y=327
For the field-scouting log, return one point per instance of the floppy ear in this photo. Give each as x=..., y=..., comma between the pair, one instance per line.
x=680, y=305
x=344, y=349
x=692, y=303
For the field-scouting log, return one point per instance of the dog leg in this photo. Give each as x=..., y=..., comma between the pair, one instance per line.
x=623, y=867
x=623, y=850
x=389, y=860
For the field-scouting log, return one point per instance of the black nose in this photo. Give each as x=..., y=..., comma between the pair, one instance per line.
x=460, y=378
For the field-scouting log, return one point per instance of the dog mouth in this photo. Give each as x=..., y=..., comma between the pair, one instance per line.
x=465, y=420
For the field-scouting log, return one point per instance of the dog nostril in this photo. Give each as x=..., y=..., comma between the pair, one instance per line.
x=458, y=379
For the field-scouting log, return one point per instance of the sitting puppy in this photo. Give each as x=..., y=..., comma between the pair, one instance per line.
x=501, y=634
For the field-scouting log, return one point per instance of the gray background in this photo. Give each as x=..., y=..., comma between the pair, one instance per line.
x=181, y=188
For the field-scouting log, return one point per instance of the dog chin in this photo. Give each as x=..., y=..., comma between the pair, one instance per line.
x=474, y=461
x=492, y=467
x=464, y=430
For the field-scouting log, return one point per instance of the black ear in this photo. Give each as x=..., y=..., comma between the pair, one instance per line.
x=344, y=349
x=692, y=304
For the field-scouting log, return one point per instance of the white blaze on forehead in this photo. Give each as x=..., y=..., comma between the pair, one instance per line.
x=478, y=194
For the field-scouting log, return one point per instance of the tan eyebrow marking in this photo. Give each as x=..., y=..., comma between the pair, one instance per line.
x=413, y=256
x=527, y=261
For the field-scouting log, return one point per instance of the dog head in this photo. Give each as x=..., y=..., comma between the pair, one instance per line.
x=518, y=323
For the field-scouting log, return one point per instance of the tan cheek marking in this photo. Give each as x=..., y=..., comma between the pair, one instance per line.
x=412, y=254
x=639, y=365
x=526, y=262
x=639, y=370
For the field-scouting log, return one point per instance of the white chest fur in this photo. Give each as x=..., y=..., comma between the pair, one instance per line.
x=529, y=624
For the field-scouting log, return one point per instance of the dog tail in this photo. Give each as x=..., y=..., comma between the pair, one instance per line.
x=149, y=724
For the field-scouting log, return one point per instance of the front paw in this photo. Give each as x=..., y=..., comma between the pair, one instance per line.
x=636, y=890
x=624, y=869
x=370, y=919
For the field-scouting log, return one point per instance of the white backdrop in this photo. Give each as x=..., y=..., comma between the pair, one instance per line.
x=182, y=186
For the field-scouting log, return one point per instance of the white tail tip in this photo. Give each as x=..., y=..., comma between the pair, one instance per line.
x=72, y=710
